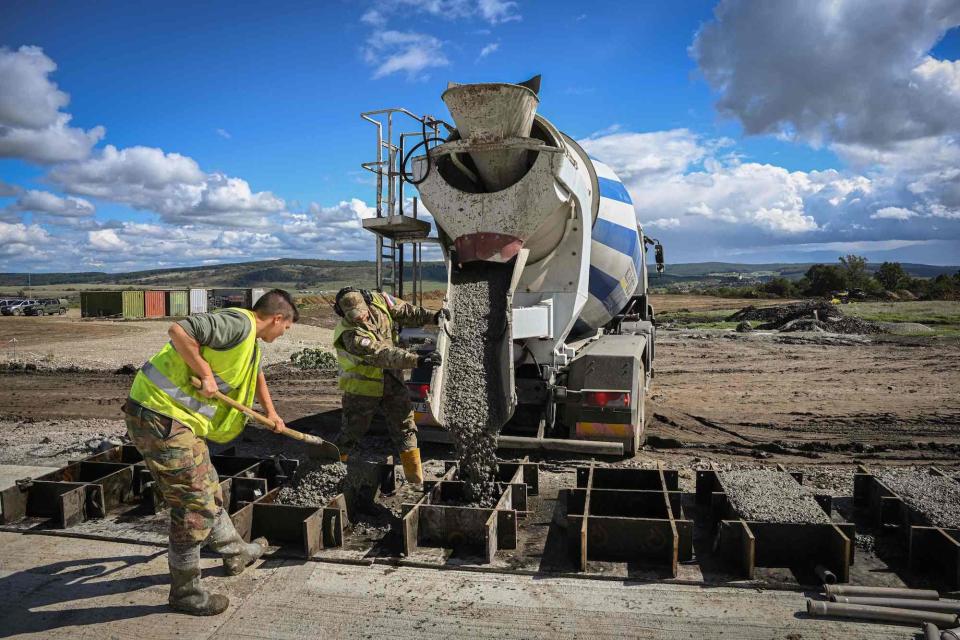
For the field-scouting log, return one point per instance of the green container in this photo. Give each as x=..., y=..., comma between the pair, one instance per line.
x=178, y=303
x=101, y=304
x=133, y=304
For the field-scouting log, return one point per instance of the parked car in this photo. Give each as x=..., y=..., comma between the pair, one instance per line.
x=46, y=307
x=17, y=308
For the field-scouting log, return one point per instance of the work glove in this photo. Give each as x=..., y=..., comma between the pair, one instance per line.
x=432, y=359
x=443, y=313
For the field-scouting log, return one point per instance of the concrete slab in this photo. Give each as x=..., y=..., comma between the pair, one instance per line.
x=10, y=473
x=73, y=588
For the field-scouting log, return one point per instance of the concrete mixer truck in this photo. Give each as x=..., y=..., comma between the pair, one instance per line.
x=516, y=200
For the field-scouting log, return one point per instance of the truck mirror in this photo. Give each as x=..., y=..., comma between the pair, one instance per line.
x=658, y=253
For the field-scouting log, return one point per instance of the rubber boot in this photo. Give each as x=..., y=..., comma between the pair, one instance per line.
x=237, y=554
x=412, y=468
x=186, y=594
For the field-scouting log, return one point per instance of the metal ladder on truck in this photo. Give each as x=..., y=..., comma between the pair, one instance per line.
x=393, y=227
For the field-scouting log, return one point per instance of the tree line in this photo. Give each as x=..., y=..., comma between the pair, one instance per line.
x=850, y=274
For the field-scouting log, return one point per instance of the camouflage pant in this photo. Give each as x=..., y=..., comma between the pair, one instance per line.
x=180, y=464
x=358, y=412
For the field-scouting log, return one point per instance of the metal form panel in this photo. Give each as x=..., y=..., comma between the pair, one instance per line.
x=437, y=521
x=931, y=551
x=133, y=304
x=178, y=303
x=198, y=301
x=747, y=544
x=101, y=304
x=256, y=294
x=155, y=304
x=628, y=515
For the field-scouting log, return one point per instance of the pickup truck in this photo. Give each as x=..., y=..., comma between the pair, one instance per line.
x=17, y=308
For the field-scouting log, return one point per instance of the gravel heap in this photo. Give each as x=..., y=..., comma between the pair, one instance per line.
x=473, y=402
x=936, y=497
x=806, y=316
x=314, y=484
x=765, y=495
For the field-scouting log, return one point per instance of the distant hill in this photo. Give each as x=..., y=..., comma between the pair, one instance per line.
x=327, y=274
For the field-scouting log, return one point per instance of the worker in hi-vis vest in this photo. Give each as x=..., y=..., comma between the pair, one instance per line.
x=371, y=364
x=169, y=421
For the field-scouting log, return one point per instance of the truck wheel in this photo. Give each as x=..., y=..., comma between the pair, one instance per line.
x=63, y=311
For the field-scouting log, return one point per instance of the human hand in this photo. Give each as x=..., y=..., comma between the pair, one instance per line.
x=278, y=423
x=432, y=359
x=208, y=386
x=443, y=313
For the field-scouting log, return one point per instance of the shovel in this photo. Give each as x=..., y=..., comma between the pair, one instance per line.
x=317, y=448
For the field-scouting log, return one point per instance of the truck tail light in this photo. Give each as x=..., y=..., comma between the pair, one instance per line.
x=606, y=398
x=418, y=392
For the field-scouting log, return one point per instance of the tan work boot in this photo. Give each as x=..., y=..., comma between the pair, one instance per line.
x=412, y=468
x=237, y=554
x=186, y=594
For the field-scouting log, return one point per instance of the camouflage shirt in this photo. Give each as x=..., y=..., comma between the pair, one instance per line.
x=383, y=351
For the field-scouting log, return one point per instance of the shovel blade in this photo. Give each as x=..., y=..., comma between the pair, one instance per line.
x=323, y=451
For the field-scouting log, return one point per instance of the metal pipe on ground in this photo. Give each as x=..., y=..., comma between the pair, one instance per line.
x=930, y=631
x=826, y=576
x=881, y=592
x=886, y=614
x=944, y=606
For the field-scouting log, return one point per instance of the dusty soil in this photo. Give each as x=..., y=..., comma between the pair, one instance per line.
x=725, y=397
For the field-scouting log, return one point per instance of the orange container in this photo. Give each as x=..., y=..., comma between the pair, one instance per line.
x=155, y=304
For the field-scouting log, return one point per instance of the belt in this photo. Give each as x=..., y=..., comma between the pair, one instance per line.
x=137, y=410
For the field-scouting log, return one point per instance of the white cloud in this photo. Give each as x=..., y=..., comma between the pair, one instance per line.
x=46, y=203
x=850, y=71
x=497, y=11
x=107, y=240
x=663, y=223
x=491, y=11
x=638, y=156
x=22, y=242
x=223, y=133
x=893, y=213
x=488, y=49
x=403, y=52
x=168, y=183
x=32, y=127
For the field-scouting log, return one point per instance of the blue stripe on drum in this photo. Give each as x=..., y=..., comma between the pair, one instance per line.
x=617, y=237
x=613, y=189
x=607, y=290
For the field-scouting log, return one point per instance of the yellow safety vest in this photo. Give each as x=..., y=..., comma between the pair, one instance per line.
x=356, y=376
x=163, y=385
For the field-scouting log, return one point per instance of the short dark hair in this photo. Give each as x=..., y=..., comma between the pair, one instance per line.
x=277, y=301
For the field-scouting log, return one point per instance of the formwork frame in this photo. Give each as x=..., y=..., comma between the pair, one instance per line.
x=930, y=549
x=624, y=514
x=748, y=544
x=433, y=522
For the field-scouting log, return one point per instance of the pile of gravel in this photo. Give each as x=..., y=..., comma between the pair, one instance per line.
x=765, y=495
x=473, y=402
x=936, y=497
x=314, y=484
x=806, y=316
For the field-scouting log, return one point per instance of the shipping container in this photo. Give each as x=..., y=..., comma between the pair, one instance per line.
x=255, y=295
x=223, y=298
x=178, y=303
x=198, y=301
x=133, y=304
x=155, y=304
x=101, y=304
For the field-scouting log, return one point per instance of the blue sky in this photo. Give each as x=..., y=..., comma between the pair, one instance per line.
x=139, y=136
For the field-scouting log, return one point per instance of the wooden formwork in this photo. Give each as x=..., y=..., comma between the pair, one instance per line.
x=748, y=544
x=436, y=520
x=931, y=550
x=625, y=514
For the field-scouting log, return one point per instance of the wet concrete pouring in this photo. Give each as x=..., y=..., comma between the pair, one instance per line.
x=473, y=392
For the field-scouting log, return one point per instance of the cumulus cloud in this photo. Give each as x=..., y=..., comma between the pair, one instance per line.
x=170, y=184
x=32, y=125
x=491, y=11
x=49, y=204
x=22, y=242
x=403, y=52
x=843, y=70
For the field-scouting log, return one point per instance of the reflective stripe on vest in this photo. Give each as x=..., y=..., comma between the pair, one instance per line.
x=356, y=376
x=166, y=385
